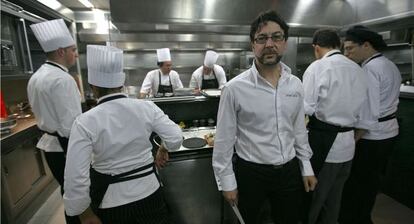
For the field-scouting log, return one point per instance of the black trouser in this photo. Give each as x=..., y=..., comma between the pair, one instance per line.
x=56, y=162
x=360, y=191
x=150, y=210
x=282, y=186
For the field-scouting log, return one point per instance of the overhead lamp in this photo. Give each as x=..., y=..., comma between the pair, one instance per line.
x=86, y=3
x=53, y=4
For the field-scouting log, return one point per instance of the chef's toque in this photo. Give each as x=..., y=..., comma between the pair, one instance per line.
x=105, y=66
x=52, y=35
x=210, y=59
x=163, y=54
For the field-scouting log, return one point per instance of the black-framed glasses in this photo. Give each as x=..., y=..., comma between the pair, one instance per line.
x=276, y=37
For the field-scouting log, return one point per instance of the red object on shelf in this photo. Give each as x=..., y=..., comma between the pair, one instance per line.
x=3, y=112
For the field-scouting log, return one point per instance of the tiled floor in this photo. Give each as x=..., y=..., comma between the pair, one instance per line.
x=386, y=211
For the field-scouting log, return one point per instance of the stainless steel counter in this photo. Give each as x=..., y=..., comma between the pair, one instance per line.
x=22, y=125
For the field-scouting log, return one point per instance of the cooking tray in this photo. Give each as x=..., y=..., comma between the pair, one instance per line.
x=211, y=92
x=194, y=143
x=8, y=123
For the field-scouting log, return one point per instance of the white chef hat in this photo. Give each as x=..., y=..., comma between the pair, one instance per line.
x=163, y=54
x=52, y=35
x=210, y=59
x=105, y=66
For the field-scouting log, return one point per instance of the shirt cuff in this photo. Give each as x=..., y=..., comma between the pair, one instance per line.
x=306, y=168
x=227, y=183
x=74, y=207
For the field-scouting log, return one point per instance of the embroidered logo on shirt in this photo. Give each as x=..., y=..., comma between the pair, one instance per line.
x=292, y=95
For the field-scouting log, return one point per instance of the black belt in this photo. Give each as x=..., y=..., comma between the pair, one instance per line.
x=63, y=141
x=270, y=166
x=388, y=117
x=100, y=182
x=315, y=123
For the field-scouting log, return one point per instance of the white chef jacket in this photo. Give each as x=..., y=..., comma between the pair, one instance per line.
x=335, y=92
x=114, y=136
x=384, y=88
x=56, y=102
x=151, y=81
x=197, y=79
x=264, y=124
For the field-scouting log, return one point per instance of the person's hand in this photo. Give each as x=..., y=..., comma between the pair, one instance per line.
x=310, y=183
x=89, y=217
x=231, y=197
x=162, y=157
x=358, y=133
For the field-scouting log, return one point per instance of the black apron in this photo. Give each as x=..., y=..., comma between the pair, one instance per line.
x=63, y=141
x=209, y=83
x=100, y=182
x=321, y=138
x=163, y=89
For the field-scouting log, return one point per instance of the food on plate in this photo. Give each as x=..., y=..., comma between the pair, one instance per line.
x=210, y=138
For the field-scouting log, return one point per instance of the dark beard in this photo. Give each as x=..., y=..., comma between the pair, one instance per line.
x=263, y=61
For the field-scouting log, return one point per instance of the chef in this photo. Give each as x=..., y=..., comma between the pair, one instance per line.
x=54, y=95
x=335, y=92
x=210, y=75
x=364, y=46
x=161, y=82
x=110, y=152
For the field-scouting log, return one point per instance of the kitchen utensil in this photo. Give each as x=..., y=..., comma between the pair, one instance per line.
x=194, y=142
x=3, y=112
x=237, y=212
x=211, y=92
x=8, y=123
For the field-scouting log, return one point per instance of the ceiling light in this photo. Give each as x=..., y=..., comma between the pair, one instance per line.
x=53, y=4
x=86, y=3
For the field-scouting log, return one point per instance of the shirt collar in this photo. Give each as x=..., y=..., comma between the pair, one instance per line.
x=331, y=52
x=112, y=94
x=368, y=59
x=163, y=73
x=286, y=71
x=57, y=64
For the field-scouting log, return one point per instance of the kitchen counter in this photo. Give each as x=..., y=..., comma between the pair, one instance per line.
x=24, y=129
x=407, y=92
x=26, y=179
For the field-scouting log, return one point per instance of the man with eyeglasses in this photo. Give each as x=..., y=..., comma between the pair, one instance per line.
x=363, y=46
x=335, y=92
x=261, y=117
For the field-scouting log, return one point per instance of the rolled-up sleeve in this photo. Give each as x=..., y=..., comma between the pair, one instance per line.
x=78, y=159
x=224, y=142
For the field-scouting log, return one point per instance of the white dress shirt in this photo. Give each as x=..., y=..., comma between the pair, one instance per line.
x=151, y=81
x=114, y=136
x=385, y=81
x=335, y=92
x=56, y=102
x=197, y=79
x=266, y=125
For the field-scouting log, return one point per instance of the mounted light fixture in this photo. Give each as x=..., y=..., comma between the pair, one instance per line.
x=87, y=3
x=53, y=4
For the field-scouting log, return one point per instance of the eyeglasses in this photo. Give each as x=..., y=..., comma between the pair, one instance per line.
x=276, y=37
